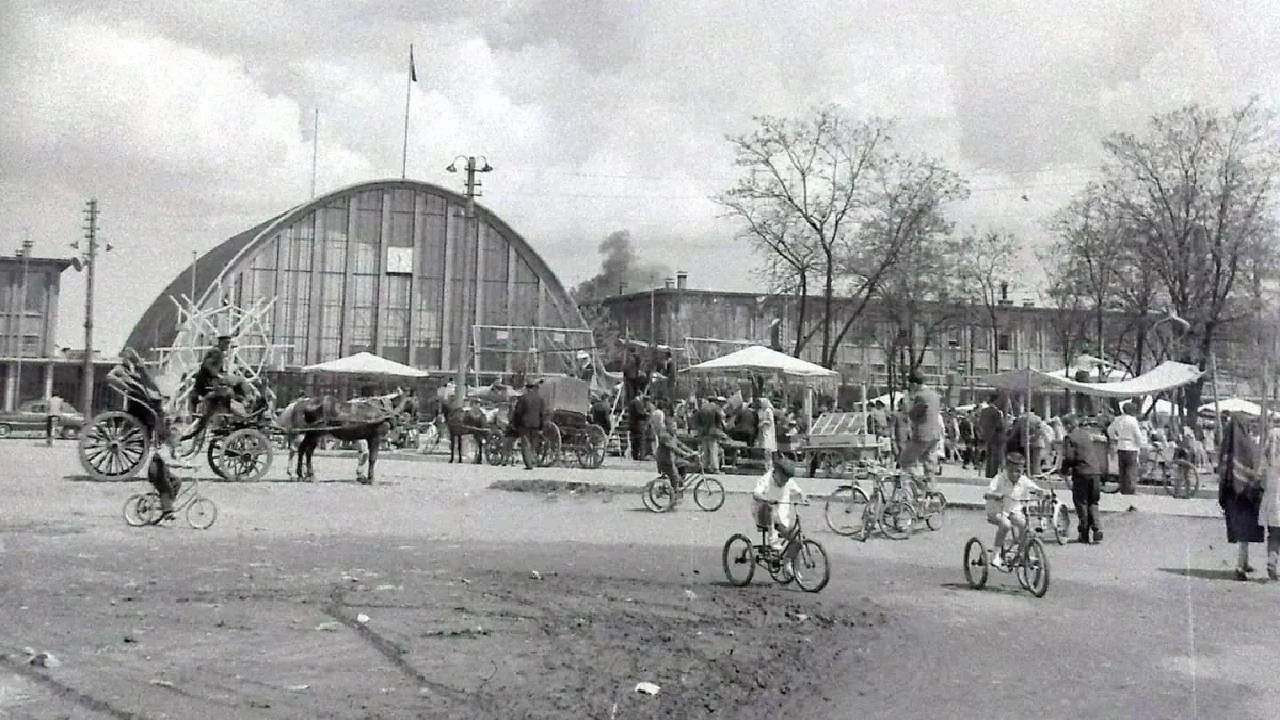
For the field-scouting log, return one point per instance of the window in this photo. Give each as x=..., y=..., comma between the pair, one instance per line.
x=1003, y=342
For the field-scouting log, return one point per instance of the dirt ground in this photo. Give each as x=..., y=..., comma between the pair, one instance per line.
x=417, y=598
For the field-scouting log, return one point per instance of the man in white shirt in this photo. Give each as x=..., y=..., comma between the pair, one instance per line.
x=1126, y=434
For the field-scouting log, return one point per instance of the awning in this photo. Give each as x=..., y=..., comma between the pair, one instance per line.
x=1233, y=405
x=762, y=360
x=1165, y=376
x=365, y=363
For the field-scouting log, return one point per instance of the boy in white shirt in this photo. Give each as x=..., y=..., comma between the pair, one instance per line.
x=774, y=499
x=1013, y=488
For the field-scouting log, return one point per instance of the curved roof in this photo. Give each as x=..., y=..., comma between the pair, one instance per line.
x=158, y=325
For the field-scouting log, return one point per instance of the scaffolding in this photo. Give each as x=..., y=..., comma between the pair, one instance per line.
x=251, y=351
x=513, y=352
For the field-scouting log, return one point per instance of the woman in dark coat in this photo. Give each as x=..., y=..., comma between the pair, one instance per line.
x=1240, y=490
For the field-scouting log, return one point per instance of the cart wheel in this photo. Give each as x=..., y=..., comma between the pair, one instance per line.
x=591, y=446
x=550, y=448
x=845, y=510
x=975, y=563
x=201, y=513
x=113, y=446
x=214, y=456
x=739, y=560
x=812, y=570
x=495, y=448
x=246, y=455
x=708, y=493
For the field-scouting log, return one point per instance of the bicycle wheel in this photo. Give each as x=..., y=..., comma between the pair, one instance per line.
x=708, y=493
x=1182, y=480
x=644, y=496
x=780, y=573
x=845, y=510
x=812, y=571
x=1033, y=571
x=1061, y=524
x=201, y=513
x=661, y=495
x=141, y=509
x=896, y=520
x=1110, y=484
x=739, y=559
x=975, y=564
x=935, y=509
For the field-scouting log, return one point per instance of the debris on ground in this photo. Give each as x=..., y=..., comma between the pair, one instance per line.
x=647, y=688
x=45, y=660
x=362, y=618
x=535, y=575
x=329, y=626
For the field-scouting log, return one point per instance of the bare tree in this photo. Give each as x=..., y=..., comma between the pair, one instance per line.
x=823, y=200
x=985, y=272
x=920, y=299
x=1197, y=195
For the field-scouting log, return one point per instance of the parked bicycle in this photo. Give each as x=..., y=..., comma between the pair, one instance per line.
x=1048, y=514
x=893, y=507
x=660, y=496
x=801, y=560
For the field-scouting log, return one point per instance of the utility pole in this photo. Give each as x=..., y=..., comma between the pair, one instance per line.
x=24, y=252
x=91, y=264
x=463, y=331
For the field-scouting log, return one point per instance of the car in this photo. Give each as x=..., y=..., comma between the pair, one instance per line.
x=32, y=415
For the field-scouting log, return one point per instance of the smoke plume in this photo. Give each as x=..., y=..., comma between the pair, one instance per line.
x=621, y=269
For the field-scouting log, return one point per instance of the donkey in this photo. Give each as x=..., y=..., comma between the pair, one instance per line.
x=467, y=421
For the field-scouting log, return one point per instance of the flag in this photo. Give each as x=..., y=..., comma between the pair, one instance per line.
x=413, y=72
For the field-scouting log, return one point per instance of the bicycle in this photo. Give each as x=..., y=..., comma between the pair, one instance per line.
x=808, y=566
x=892, y=507
x=660, y=496
x=1048, y=512
x=144, y=508
x=1024, y=556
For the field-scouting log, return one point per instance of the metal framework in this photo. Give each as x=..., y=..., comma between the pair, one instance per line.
x=508, y=350
x=252, y=349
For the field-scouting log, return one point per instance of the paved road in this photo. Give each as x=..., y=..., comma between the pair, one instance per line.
x=1149, y=622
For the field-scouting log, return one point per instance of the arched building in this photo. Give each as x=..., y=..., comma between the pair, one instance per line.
x=392, y=267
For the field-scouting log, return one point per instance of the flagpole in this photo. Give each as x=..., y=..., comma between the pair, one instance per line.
x=315, y=151
x=408, y=93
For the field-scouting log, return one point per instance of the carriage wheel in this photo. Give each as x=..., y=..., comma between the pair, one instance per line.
x=550, y=447
x=114, y=446
x=495, y=448
x=246, y=455
x=591, y=446
x=216, y=445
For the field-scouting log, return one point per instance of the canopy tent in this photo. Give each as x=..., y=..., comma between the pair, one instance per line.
x=1112, y=375
x=365, y=363
x=762, y=360
x=1162, y=407
x=1165, y=376
x=1232, y=405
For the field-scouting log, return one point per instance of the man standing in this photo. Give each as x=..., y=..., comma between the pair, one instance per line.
x=711, y=424
x=1084, y=458
x=924, y=415
x=529, y=414
x=991, y=433
x=1027, y=437
x=1125, y=432
x=54, y=413
x=638, y=417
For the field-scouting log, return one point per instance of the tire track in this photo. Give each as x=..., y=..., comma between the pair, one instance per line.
x=66, y=692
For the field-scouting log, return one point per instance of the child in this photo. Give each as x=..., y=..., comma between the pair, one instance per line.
x=669, y=448
x=774, y=498
x=1013, y=489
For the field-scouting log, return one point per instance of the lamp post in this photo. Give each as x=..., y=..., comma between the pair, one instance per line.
x=464, y=326
x=24, y=252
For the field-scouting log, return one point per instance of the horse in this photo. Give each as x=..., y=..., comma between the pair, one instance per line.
x=366, y=420
x=467, y=421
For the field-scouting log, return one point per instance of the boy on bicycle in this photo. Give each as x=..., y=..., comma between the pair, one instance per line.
x=669, y=448
x=775, y=494
x=1013, y=488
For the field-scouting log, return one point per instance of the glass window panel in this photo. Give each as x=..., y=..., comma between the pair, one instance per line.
x=398, y=292
x=36, y=293
x=431, y=244
x=369, y=201
x=366, y=258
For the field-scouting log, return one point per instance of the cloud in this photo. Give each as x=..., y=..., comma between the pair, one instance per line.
x=191, y=122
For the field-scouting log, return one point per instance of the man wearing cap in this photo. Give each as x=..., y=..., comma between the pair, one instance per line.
x=207, y=387
x=711, y=428
x=773, y=502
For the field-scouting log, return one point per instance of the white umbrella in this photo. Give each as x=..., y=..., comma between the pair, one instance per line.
x=365, y=363
x=760, y=359
x=1233, y=405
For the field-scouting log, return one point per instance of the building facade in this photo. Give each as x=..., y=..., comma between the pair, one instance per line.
x=960, y=352
x=395, y=268
x=31, y=365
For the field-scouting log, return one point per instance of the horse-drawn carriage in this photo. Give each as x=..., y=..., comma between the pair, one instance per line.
x=568, y=434
x=117, y=443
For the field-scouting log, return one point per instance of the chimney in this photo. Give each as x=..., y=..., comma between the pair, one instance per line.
x=671, y=283
x=682, y=279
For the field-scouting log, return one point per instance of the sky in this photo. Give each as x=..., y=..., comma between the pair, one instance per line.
x=192, y=121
